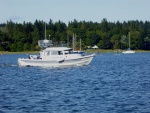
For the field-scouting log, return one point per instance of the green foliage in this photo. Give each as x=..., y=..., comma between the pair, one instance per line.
x=106, y=35
x=115, y=40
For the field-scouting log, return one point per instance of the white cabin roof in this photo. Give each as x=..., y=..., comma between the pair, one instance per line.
x=95, y=47
x=58, y=49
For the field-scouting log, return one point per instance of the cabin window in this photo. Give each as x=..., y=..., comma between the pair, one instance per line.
x=67, y=52
x=47, y=53
x=54, y=52
x=60, y=53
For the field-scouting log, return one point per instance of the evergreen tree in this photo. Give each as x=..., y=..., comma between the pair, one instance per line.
x=107, y=35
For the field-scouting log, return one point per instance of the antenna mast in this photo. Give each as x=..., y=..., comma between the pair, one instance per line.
x=45, y=30
x=129, y=40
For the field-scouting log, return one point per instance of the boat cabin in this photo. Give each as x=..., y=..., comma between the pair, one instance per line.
x=58, y=52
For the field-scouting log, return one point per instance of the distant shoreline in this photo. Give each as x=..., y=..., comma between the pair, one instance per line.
x=26, y=52
x=112, y=51
x=87, y=51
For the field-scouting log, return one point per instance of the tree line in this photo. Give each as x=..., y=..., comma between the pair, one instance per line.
x=106, y=35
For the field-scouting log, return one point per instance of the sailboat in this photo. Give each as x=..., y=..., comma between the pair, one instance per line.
x=128, y=51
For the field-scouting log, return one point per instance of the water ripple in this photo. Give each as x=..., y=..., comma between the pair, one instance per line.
x=110, y=84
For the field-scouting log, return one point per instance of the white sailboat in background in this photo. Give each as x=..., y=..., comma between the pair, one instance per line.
x=128, y=51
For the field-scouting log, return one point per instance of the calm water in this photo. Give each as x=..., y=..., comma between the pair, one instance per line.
x=110, y=84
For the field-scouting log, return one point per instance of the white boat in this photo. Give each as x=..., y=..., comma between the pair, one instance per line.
x=128, y=51
x=56, y=57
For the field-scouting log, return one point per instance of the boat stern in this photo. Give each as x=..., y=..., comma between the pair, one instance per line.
x=21, y=62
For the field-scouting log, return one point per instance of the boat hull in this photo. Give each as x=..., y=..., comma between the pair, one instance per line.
x=128, y=52
x=84, y=60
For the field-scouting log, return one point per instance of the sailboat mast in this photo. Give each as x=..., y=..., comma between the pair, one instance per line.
x=68, y=39
x=129, y=40
x=45, y=30
x=73, y=42
x=80, y=44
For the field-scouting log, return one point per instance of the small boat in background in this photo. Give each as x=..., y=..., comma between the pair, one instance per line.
x=128, y=51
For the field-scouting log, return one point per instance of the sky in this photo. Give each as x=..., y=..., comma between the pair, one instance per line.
x=68, y=10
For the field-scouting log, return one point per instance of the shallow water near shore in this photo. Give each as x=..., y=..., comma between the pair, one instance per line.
x=110, y=84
